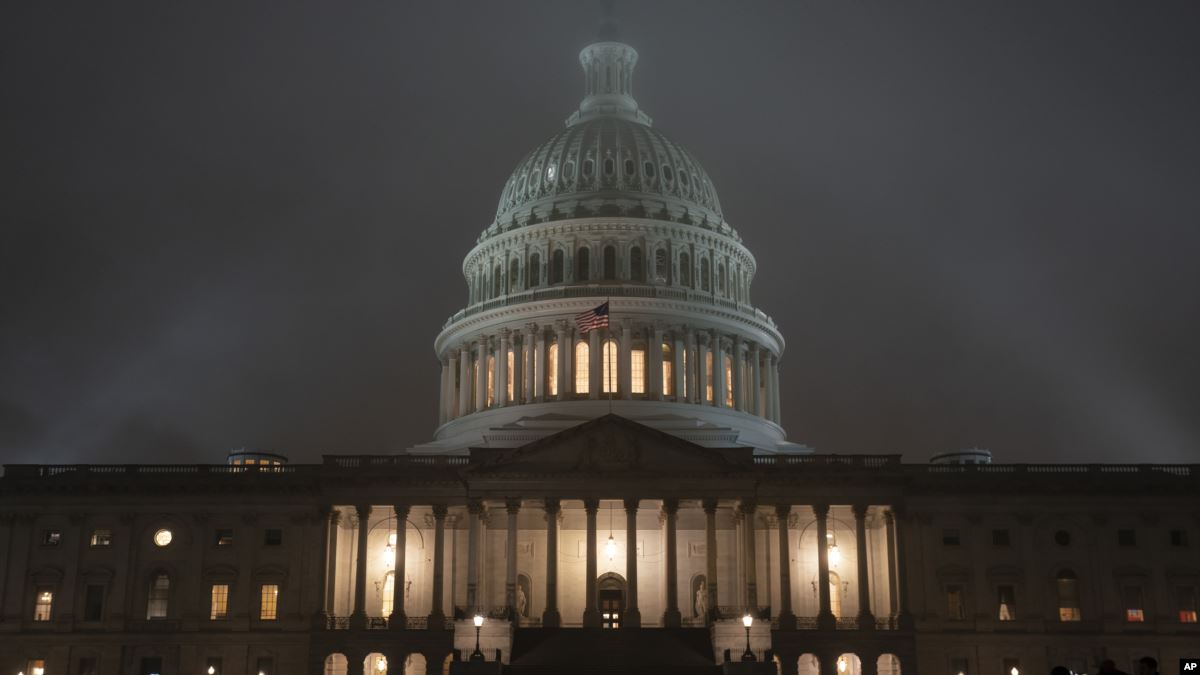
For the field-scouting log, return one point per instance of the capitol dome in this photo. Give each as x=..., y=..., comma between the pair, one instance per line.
x=609, y=213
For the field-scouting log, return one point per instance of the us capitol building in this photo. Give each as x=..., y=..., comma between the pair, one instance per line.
x=620, y=500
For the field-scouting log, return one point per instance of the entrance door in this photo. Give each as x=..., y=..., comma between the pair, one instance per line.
x=610, y=598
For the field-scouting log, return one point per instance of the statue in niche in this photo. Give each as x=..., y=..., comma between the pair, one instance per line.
x=522, y=598
x=700, y=595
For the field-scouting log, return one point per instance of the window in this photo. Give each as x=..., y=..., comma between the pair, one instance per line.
x=389, y=593
x=93, y=603
x=1062, y=538
x=721, y=278
x=87, y=665
x=1011, y=666
x=648, y=169
x=162, y=538
x=1006, y=601
x=1179, y=538
x=609, y=166
x=961, y=667
x=273, y=537
x=667, y=174
x=496, y=278
x=582, y=367
x=608, y=377
x=160, y=595
x=1068, y=596
x=1126, y=538
x=728, y=381
x=1134, y=612
x=668, y=383
x=1187, y=604
x=534, y=271
x=514, y=275
x=43, y=603
x=954, y=603
x=637, y=367
x=685, y=270
x=708, y=375
x=101, y=538
x=556, y=267
x=660, y=265
x=1001, y=538
x=51, y=538
x=268, y=603
x=630, y=168
x=151, y=665
x=610, y=263
x=705, y=280
x=637, y=266
x=224, y=537
x=508, y=376
x=583, y=263
x=951, y=538
x=552, y=369
x=36, y=666
x=219, y=602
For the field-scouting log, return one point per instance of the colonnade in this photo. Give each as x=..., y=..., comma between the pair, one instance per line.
x=628, y=360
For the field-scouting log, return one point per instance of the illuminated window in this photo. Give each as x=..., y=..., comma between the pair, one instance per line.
x=708, y=376
x=268, y=604
x=609, y=376
x=552, y=370
x=159, y=599
x=728, y=382
x=101, y=538
x=219, y=604
x=223, y=537
x=1187, y=604
x=1068, y=596
x=581, y=367
x=43, y=604
x=1006, y=600
x=491, y=379
x=162, y=538
x=1134, y=612
x=668, y=383
x=637, y=367
x=37, y=666
x=508, y=386
x=954, y=603
x=51, y=538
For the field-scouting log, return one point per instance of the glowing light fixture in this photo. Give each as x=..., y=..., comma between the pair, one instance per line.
x=212, y=670
x=841, y=664
x=477, y=655
x=610, y=546
x=748, y=621
x=381, y=664
x=1014, y=671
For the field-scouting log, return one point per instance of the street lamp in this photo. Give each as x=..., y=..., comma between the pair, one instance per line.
x=477, y=655
x=748, y=621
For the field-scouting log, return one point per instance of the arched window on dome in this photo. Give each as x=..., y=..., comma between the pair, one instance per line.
x=1067, y=585
x=708, y=377
x=583, y=264
x=552, y=369
x=721, y=287
x=608, y=375
x=610, y=263
x=497, y=277
x=668, y=362
x=685, y=269
x=491, y=380
x=509, y=372
x=534, y=271
x=637, y=369
x=661, y=265
x=637, y=266
x=556, y=267
x=705, y=278
x=514, y=275
x=728, y=381
x=582, y=367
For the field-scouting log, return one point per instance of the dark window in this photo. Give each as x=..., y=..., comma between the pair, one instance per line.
x=534, y=270
x=705, y=282
x=629, y=167
x=954, y=602
x=610, y=263
x=51, y=538
x=1179, y=538
x=273, y=537
x=87, y=665
x=1126, y=538
x=224, y=538
x=587, y=168
x=648, y=169
x=569, y=170
x=93, y=603
x=683, y=177
x=556, y=268
x=1062, y=538
x=685, y=270
x=951, y=538
x=667, y=174
x=514, y=274
x=660, y=265
x=583, y=264
x=101, y=538
x=151, y=665
x=637, y=266
x=1001, y=538
x=609, y=166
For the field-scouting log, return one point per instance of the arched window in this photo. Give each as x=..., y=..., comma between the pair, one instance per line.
x=583, y=264
x=609, y=367
x=1068, y=596
x=491, y=380
x=552, y=369
x=514, y=275
x=637, y=369
x=497, y=274
x=660, y=265
x=508, y=385
x=637, y=266
x=159, y=599
x=582, y=367
x=668, y=362
x=685, y=270
x=535, y=271
x=556, y=267
x=708, y=377
x=705, y=282
x=610, y=263
x=721, y=288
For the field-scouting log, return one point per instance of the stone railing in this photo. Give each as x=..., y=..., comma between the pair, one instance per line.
x=377, y=622
x=337, y=622
x=868, y=461
x=369, y=461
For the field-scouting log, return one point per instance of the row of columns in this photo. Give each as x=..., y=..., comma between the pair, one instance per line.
x=754, y=387
x=591, y=616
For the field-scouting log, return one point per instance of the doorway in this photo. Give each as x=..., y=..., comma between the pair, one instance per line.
x=610, y=598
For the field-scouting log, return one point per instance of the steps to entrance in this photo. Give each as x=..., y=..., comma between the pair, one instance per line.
x=593, y=651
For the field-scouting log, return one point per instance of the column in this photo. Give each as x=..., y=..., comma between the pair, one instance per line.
x=756, y=382
x=539, y=365
x=474, y=509
x=654, y=371
x=595, y=364
x=739, y=400
x=359, y=618
x=444, y=392
x=693, y=385
x=531, y=348
x=437, y=616
x=866, y=621
x=331, y=539
x=625, y=363
x=512, y=507
x=680, y=371
x=889, y=520
x=787, y=620
x=633, y=615
x=904, y=616
x=701, y=395
x=399, y=619
x=481, y=372
x=551, y=617
x=671, y=617
x=825, y=618
x=749, y=511
x=591, y=615
x=452, y=390
x=710, y=556
x=518, y=370
x=718, y=370
x=464, y=380
x=775, y=405
x=565, y=352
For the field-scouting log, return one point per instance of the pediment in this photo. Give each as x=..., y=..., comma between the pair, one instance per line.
x=610, y=445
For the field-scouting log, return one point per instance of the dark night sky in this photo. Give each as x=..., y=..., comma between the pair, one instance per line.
x=242, y=223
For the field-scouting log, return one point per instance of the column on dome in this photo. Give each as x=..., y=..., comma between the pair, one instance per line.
x=481, y=367
x=671, y=617
x=625, y=363
x=691, y=385
x=739, y=400
x=529, y=347
x=654, y=365
x=702, y=374
x=774, y=387
x=443, y=390
x=452, y=387
x=633, y=615
x=518, y=369
x=825, y=618
x=500, y=384
x=678, y=367
x=539, y=362
x=464, y=379
x=566, y=356
x=591, y=614
x=756, y=381
x=550, y=616
x=719, y=370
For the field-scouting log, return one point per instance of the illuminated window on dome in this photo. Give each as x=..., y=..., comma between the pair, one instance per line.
x=491, y=380
x=668, y=384
x=552, y=370
x=609, y=376
x=708, y=377
x=581, y=368
x=509, y=375
x=729, y=381
x=551, y=172
x=637, y=365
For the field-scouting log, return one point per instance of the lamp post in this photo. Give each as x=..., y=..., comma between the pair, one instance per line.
x=748, y=621
x=477, y=655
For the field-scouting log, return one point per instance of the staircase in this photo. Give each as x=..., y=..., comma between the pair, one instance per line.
x=626, y=651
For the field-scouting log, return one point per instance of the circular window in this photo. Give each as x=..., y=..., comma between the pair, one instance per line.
x=163, y=538
x=1062, y=538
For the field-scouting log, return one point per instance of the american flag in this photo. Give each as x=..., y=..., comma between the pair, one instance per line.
x=592, y=319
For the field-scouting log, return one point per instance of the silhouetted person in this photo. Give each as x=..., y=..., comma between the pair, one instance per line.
x=1147, y=665
x=1108, y=667
x=1060, y=670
